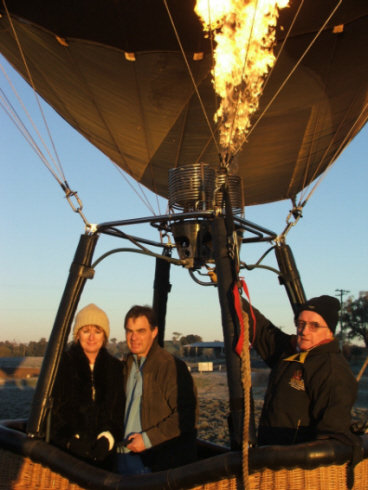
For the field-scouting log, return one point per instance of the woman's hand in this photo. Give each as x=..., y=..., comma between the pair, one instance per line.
x=79, y=447
x=100, y=449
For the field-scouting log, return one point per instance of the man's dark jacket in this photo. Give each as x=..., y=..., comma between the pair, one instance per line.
x=169, y=410
x=310, y=394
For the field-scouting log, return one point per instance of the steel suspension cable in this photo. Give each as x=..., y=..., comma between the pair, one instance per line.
x=365, y=109
x=191, y=75
x=113, y=140
x=282, y=46
x=144, y=200
x=296, y=65
x=57, y=172
x=11, y=112
x=146, y=142
x=243, y=72
x=56, y=163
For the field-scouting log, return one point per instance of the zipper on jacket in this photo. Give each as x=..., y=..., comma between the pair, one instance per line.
x=296, y=433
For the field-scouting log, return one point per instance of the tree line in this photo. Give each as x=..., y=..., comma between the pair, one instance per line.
x=30, y=349
x=354, y=316
x=38, y=349
x=115, y=347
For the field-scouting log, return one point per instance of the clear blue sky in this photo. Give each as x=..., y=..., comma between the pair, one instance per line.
x=39, y=234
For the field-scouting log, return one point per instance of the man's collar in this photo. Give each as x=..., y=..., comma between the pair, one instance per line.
x=301, y=355
x=138, y=361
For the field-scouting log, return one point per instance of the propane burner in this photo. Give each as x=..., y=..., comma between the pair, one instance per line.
x=198, y=187
x=195, y=188
x=191, y=187
x=235, y=190
x=193, y=239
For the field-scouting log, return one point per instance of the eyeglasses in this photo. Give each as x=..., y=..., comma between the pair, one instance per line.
x=313, y=326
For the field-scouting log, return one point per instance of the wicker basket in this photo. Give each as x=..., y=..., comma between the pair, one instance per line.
x=19, y=473
x=324, y=478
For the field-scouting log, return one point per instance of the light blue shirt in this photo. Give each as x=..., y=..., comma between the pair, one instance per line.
x=134, y=390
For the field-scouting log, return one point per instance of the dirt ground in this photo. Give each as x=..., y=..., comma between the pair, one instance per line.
x=16, y=398
x=214, y=406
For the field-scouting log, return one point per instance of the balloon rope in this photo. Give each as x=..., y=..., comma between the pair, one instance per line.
x=360, y=374
x=191, y=76
x=243, y=350
x=246, y=382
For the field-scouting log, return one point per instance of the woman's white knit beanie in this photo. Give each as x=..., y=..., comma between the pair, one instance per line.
x=91, y=315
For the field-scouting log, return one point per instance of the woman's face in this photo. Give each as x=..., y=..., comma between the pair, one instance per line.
x=91, y=339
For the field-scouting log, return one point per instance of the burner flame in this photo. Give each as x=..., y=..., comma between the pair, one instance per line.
x=244, y=32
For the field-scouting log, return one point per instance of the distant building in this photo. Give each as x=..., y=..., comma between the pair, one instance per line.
x=196, y=349
x=20, y=367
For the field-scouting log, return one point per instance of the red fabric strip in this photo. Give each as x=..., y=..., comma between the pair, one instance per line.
x=239, y=312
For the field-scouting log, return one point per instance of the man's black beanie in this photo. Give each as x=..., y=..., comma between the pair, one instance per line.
x=326, y=306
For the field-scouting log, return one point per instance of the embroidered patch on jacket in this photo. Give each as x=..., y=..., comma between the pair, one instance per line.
x=297, y=381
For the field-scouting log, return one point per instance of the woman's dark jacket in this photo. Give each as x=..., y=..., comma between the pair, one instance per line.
x=74, y=409
x=310, y=394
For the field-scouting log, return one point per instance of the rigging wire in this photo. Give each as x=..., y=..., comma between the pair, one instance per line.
x=211, y=38
x=295, y=66
x=334, y=157
x=113, y=140
x=146, y=143
x=181, y=136
x=142, y=197
x=282, y=47
x=337, y=152
x=14, y=117
x=56, y=163
x=243, y=72
x=284, y=83
x=55, y=167
x=281, y=86
x=339, y=148
x=315, y=130
x=191, y=76
x=244, y=66
x=38, y=151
